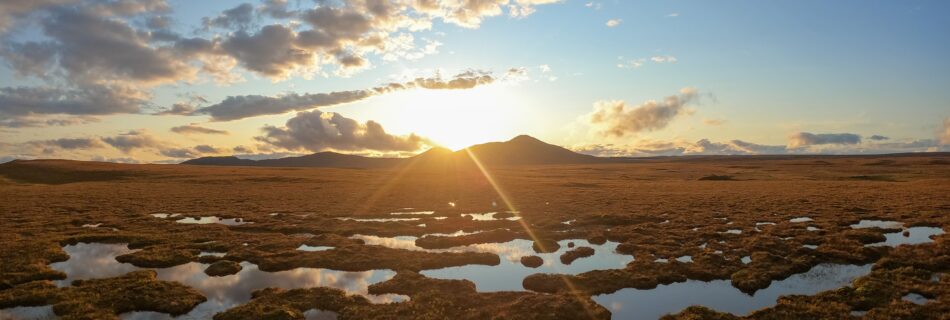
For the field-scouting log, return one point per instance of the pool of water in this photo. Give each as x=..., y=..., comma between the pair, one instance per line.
x=28, y=313
x=917, y=235
x=96, y=260
x=490, y=216
x=378, y=219
x=304, y=247
x=213, y=219
x=722, y=296
x=800, y=220
x=863, y=224
x=509, y=274
x=411, y=213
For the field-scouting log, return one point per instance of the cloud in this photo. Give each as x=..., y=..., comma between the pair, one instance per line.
x=944, y=133
x=639, y=62
x=319, y=131
x=177, y=109
x=805, y=139
x=673, y=15
x=89, y=100
x=239, y=107
x=617, y=119
x=613, y=22
x=46, y=121
x=193, y=152
x=67, y=144
x=134, y=139
x=195, y=129
x=663, y=59
x=714, y=122
x=680, y=147
x=878, y=138
x=239, y=17
x=105, y=57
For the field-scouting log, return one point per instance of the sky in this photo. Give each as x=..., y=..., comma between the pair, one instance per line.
x=163, y=81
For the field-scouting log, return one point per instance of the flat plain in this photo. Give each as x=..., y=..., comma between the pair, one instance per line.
x=750, y=221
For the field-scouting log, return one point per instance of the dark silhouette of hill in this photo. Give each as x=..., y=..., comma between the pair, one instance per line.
x=522, y=150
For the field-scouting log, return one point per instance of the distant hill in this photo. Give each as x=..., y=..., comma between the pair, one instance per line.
x=522, y=150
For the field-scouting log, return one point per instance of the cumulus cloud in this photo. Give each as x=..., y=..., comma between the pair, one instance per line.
x=196, y=129
x=319, y=131
x=805, y=139
x=617, y=119
x=134, y=139
x=239, y=107
x=105, y=57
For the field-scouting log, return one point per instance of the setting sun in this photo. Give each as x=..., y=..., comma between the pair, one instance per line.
x=474, y=159
x=453, y=119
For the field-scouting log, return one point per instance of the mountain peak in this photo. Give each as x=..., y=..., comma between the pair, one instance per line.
x=524, y=139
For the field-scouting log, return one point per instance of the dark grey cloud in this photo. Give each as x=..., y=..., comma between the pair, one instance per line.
x=239, y=107
x=182, y=109
x=135, y=139
x=616, y=118
x=239, y=17
x=272, y=51
x=805, y=139
x=193, y=152
x=69, y=143
x=89, y=100
x=34, y=122
x=878, y=138
x=195, y=129
x=319, y=131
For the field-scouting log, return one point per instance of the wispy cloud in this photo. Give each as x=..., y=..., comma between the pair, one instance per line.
x=614, y=22
x=617, y=119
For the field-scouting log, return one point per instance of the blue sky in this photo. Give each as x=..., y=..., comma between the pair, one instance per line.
x=767, y=73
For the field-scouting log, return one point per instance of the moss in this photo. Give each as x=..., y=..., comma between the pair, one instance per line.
x=576, y=253
x=223, y=268
x=532, y=261
x=106, y=298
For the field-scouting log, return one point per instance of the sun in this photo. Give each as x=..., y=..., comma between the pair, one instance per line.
x=454, y=119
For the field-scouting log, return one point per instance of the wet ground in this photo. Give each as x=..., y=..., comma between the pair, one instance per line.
x=786, y=238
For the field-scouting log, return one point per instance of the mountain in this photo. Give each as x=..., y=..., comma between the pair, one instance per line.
x=525, y=149
x=319, y=159
x=522, y=150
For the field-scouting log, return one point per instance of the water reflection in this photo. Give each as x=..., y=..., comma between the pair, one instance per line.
x=863, y=224
x=490, y=216
x=28, y=313
x=915, y=235
x=304, y=247
x=213, y=219
x=98, y=261
x=722, y=296
x=801, y=219
x=508, y=275
x=915, y=298
x=378, y=219
x=412, y=213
